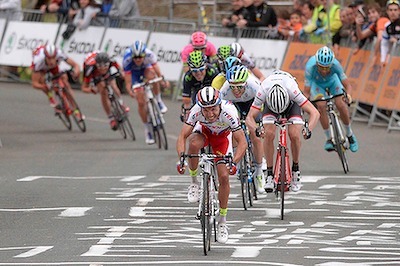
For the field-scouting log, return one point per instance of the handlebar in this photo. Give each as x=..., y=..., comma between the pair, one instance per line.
x=208, y=156
x=144, y=83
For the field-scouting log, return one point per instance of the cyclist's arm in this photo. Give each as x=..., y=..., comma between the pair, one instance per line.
x=36, y=81
x=347, y=85
x=241, y=147
x=75, y=66
x=180, y=143
x=128, y=83
x=86, y=88
x=251, y=118
x=313, y=113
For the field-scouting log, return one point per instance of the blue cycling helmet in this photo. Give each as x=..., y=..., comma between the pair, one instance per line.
x=237, y=75
x=139, y=49
x=324, y=56
x=230, y=62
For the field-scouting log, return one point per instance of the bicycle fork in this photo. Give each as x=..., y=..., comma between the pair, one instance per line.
x=333, y=119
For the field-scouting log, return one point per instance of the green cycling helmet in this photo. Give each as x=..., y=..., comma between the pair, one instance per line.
x=224, y=52
x=196, y=59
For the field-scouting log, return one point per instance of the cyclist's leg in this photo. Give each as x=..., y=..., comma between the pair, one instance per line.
x=117, y=92
x=105, y=102
x=295, y=144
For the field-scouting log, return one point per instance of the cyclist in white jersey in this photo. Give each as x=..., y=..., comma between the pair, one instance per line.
x=238, y=51
x=281, y=95
x=213, y=122
x=241, y=88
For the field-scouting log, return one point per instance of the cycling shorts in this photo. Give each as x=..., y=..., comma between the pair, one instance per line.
x=220, y=143
x=293, y=113
x=318, y=89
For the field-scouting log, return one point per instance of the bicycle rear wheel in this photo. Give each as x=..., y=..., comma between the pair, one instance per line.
x=206, y=215
x=282, y=179
x=127, y=126
x=244, y=181
x=251, y=172
x=63, y=114
x=339, y=143
x=80, y=122
x=118, y=113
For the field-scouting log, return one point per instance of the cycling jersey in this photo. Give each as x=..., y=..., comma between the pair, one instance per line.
x=251, y=88
x=285, y=80
x=90, y=71
x=318, y=83
x=246, y=60
x=228, y=120
x=39, y=62
x=210, y=51
x=218, y=81
x=191, y=86
x=136, y=71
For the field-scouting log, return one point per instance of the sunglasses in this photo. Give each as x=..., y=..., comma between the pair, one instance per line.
x=103, y=65
x=195, y=70
x=391, y=2
x=139, y=56
x=324, y=68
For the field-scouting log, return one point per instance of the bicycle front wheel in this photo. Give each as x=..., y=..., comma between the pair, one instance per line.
x=160, y=135
x=79, y=121
x=244, y=181
x=282, y=179
x=63, y=114
x=339, y=143
x=206, y=214
x=118, y=113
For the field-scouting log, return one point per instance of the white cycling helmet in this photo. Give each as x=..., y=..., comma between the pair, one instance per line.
x=237, y=49
x=278, y=99
x=50, y=50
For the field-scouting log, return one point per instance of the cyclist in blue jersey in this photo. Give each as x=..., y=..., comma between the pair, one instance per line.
x=323, y=71
x=141, y=63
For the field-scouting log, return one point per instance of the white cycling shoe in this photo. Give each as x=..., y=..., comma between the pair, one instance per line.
x=296, y=183
x=260, y=183
x=269, y=185
x=222, y=233
x=193, y=193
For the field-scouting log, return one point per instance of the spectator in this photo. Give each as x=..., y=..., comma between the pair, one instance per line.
x=86, y=14
x=264, y=16
x=375, y=29
x=298, y=5
x=283, y=23
x=295, y=24
x=307, y=12
x=125, y=8
x=61, y=7
x=11, y=9
x=347, y=29
x=237, y=9
x=248, y=14
x=392, y=32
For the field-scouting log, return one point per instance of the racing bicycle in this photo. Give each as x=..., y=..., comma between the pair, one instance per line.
x=340, y=141
x=155, y=117
x=208, y=201
x=67, y=105
x=282, y=170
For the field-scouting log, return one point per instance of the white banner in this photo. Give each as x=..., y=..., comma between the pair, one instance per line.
x=2, y=25
x=167, y=48
x=219, y=41
x=81, y=42
x=267, y=54
x=23, y=37
x=117, y=40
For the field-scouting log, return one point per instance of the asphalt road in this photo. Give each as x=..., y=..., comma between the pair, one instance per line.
x=72, y=198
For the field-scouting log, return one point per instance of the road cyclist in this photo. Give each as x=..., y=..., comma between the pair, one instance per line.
x=324, y=71
x=99, y=71
x=45, y=61
x=140, y=63
x=241, y=88
x=239, y=52
x=213, y=122
x=280, y=94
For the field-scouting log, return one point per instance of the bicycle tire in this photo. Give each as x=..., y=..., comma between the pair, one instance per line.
x=80, y=123
x=118, y=113
x=243, y=182
x=250, y=177
x=128, y=127
x=206, y=214
x=160, y=135
x=63, y=115
x=339, y=147
x=282, y=180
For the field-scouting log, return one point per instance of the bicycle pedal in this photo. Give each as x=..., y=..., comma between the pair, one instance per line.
x=197, y=217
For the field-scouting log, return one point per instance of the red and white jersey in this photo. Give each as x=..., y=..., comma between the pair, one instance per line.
x=285, y=80
x=227, y=120
x=39, y=62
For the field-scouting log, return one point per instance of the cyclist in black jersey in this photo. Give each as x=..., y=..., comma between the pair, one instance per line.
x=199, y=75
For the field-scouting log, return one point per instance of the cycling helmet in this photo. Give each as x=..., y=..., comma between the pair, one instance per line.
x=237, y=49
x=208, y=97
x=324, y=56
x=50, y=50
x=102, y=58
x=138, y=49
x=198, y=40
x=231, y=61
x=237, y=75
x=196, y=59
x=224, y=52
x=278, y=99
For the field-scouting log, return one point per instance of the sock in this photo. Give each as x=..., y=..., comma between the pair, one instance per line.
x=193, y=175
x=110, y=117
x=327, y=134
x=295, y=167
x=349, y=132
x=259, y=170
x=158, y=97
x=222, y=215
x=50, y=94
x=120, y=101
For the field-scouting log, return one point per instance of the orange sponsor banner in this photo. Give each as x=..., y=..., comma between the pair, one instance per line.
x=374, y=79
x=356, y=70
x=343, y=56
x=296, y=58
x=390, y=87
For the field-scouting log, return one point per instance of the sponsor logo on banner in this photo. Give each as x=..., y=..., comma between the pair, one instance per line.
x=10, y=43
x=22, y=43
x=80, y=47
x=265, y=63
x=115, y=50
x=166, y=56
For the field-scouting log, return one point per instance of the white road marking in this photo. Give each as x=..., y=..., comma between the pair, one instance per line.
x=123, y=178
x=33, y=250
x=75, y=212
